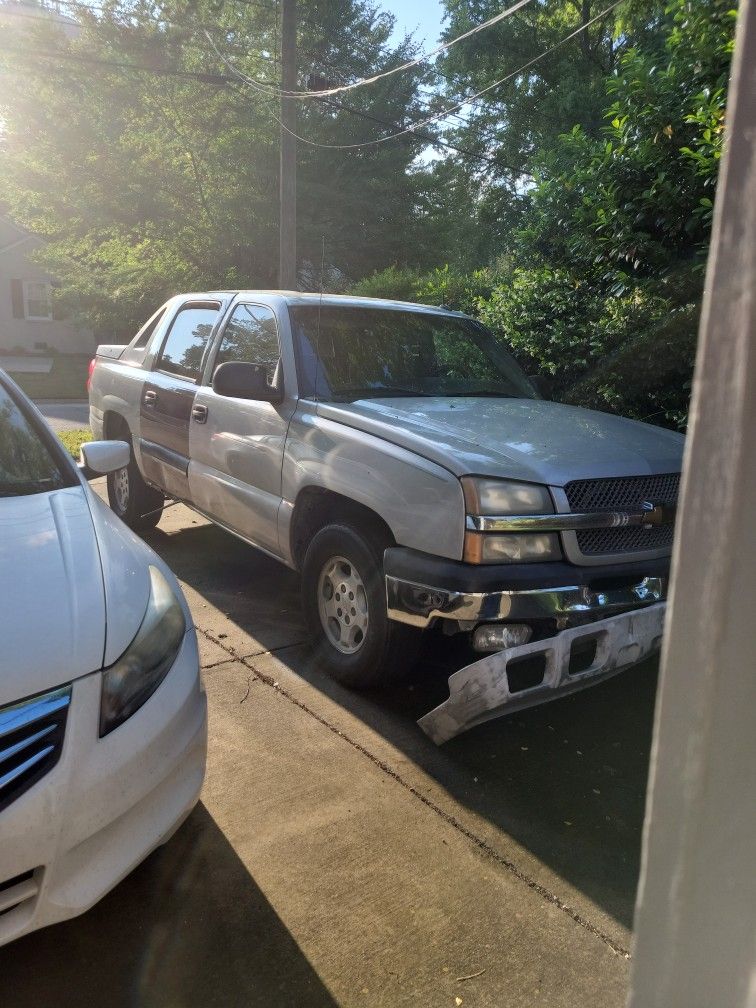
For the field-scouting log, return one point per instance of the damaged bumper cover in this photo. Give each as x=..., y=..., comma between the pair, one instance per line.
x=482, y=691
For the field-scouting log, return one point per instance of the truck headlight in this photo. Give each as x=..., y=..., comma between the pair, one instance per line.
x=502, y=497
x=132, y=680
x=490, y=498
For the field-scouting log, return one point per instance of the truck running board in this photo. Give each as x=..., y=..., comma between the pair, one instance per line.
x=534, y=673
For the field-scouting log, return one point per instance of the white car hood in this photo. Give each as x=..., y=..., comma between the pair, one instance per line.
x=527, y=439
x=53, y=587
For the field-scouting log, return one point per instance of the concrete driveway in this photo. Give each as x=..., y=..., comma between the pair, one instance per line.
x=338, y=858
x=62, y=416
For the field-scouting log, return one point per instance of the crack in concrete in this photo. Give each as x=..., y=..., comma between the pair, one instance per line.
x=212, y=665
x=275, y=650
x=449, y=819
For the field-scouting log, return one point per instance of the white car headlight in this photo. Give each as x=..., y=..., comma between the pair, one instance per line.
x=492, y=498
x=132, y=680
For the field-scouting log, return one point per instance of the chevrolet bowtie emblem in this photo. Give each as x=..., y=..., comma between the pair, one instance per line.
x=658, y=514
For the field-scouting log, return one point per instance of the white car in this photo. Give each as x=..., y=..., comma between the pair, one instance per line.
x=103, y=716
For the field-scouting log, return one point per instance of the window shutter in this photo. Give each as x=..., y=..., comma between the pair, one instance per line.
x=17, y=298
x=58, y=312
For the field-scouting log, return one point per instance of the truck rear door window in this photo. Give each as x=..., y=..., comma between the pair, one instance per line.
x=187, y=338
x=144, y=335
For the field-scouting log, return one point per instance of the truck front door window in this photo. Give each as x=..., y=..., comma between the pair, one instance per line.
x=250, y=336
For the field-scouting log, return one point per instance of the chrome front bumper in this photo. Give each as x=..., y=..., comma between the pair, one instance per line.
x=483, y=691
x=418, y=604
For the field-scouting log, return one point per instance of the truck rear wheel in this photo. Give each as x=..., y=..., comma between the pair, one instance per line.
x=135, y=502
x=344, y=602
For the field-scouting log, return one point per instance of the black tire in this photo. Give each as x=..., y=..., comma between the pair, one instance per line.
x=135, y=502
x=386, y=649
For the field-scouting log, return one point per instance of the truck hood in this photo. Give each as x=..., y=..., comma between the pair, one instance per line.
x=53, y=591
x=527, y=439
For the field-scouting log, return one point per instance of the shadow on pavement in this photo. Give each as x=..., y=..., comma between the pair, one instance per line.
x=189, y=927
x=567, y=780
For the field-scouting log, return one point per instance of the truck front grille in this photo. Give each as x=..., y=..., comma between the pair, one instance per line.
x=31, y=741
x=615, y=494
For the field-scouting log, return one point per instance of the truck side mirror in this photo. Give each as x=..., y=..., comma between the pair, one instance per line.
x=242, y=380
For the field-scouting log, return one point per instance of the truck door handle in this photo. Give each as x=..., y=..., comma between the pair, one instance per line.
x=199, y=413
x=149, y=398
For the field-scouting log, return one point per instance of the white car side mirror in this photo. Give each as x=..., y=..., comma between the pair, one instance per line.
x=100, y=457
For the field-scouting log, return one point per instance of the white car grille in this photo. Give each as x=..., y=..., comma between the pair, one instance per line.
x=31, y=741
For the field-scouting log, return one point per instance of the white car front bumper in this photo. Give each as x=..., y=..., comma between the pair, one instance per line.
x=107, y=803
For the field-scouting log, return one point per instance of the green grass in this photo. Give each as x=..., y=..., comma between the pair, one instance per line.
x=67, y=379
x=74, y=439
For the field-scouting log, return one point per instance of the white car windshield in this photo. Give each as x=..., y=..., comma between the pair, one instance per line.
x=27, y=463
x=347, y=353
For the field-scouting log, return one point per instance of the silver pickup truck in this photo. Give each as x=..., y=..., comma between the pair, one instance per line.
x=397, y=457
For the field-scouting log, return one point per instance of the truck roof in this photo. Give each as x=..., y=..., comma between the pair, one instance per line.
x=342, y=300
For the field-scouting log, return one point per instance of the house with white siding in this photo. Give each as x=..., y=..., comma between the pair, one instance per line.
x=29, y=322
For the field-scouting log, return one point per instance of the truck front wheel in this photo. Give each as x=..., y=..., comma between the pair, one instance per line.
x=344, y=602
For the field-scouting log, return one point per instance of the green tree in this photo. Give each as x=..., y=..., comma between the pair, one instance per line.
x=607, y=273
x=596, y=248
x=512, y=122
x=165, y=178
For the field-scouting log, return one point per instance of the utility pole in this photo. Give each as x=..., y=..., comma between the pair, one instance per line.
x=287, y=263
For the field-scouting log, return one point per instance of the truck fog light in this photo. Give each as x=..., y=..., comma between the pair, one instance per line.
x=497, y=636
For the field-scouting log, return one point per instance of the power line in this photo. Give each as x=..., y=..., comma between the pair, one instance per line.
x=221, y=79
x=385, y=73
x=263, y=85
x=205, y=78
x=429, y=138
x=442, y=115
x=209, y=78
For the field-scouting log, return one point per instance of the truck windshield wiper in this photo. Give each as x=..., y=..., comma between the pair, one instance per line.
x=480, y=393
x=360, y=391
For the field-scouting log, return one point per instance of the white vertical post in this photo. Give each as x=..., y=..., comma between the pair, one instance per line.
x=696, y=914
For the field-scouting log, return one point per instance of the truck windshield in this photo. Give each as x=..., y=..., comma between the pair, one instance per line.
x=27, y=466
x=346, y=353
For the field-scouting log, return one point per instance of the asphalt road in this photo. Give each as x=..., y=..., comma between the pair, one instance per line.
x=338, y=858
x=65, y=415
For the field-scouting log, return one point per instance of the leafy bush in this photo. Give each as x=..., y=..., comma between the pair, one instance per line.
x=602, y=282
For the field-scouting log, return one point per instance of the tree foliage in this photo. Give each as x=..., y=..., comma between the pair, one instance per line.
x=598, y=280
x=574, y=218
x=161, y=179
